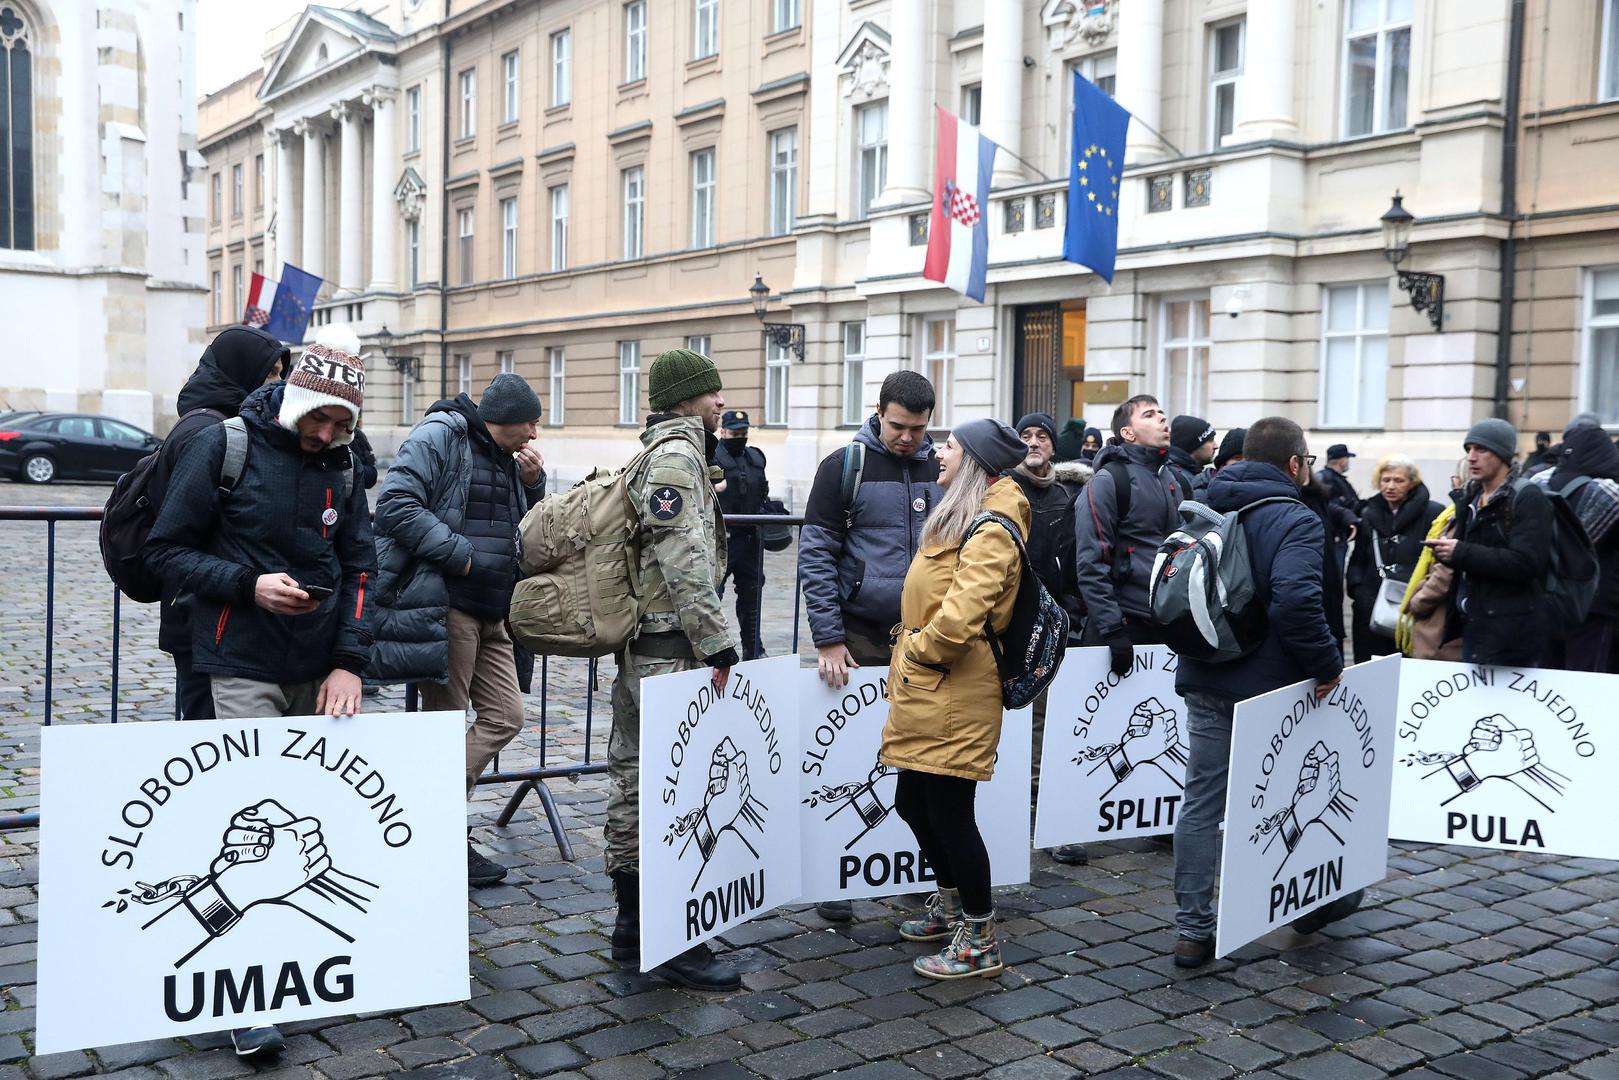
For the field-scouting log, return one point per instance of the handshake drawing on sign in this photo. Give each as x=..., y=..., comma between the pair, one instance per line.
x=268, y=856
x=862, y=796
x=1497, y=748
x=1151, y=737
x=728, y=804
x=1318, y=797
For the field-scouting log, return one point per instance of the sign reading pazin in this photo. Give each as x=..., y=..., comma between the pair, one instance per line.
x=218, y=874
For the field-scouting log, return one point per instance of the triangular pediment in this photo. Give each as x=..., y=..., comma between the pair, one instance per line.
x=870, y=38
x=322, y=41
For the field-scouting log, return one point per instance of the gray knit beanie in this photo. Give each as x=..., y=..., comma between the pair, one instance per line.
x=1495, y=435
x=991, y=443
x=509, y=400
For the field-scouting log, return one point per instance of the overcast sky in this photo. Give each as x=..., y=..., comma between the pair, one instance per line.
x=230, y=37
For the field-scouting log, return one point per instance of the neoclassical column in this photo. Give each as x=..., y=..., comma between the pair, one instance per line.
x=286, y=215
x=312, y=229
x=908, y=111
x=1003, y=86
x=384, y=217
x=1139, y=85
x=351, y=199
x=1265, y=108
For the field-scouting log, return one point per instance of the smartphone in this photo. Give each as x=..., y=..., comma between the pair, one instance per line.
x=316, y=592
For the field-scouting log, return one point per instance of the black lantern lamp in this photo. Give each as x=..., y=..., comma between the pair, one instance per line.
x=782, y=335
x=1427, y=291
x=405, y=365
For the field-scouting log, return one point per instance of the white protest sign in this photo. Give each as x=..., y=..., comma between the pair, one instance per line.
x=719, y=800
x=1506, y=758
x=1114, y=761
x=1307, y=800
x=855, y=845
x=223, y=873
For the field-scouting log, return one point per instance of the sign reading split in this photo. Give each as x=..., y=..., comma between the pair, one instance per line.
x=854, y=843
x=1114, y=760
x=719, y=794
x=219, y=874
x=1505, y=758
x=1307, y=800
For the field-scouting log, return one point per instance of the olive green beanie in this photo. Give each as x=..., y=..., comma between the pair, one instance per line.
x=679, y=374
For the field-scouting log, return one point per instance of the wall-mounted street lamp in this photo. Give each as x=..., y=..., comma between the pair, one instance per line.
x=405, y=365
x=1427, y=291
x=781, y=335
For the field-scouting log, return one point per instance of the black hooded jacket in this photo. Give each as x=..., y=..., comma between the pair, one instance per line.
x=1398, y=538
x=233, y=365
x=1587, y=451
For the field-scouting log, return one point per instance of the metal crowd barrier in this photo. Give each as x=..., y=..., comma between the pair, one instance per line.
x=528, y=780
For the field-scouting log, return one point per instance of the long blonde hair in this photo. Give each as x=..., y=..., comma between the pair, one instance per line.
x=963, y=500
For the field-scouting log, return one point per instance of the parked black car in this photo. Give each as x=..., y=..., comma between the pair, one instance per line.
x=39, y=447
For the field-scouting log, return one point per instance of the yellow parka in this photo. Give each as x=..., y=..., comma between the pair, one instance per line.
x=944, y=690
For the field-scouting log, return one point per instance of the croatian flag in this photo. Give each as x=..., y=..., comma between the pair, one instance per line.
x=958, y=223
x=260, y=298
x=282, y=308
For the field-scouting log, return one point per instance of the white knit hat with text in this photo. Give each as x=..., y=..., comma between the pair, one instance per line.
x=329, y=372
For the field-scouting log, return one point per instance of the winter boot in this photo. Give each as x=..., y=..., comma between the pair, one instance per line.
x=944, y=912
x=972, y=951
x=1341, y=908
x=627, y=927
x=699, y=969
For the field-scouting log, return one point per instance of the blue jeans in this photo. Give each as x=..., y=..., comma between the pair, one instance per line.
x=1197, y=830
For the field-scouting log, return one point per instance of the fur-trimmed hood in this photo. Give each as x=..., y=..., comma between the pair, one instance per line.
x=1077, y=473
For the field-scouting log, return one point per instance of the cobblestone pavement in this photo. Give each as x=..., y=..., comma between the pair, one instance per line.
x=1465, y=964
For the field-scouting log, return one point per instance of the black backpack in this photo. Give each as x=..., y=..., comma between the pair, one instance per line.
x=130, y=514
x=1571, y=576
x=1029, y=653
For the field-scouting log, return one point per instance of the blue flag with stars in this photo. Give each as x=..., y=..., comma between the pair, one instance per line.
x=1095, y=169
x=294, y=303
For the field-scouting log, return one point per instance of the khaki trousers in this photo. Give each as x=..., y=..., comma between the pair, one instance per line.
x=483, y=673
x=249, y=699
x=623, y=830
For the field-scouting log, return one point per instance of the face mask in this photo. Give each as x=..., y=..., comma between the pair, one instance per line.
x=737, y=440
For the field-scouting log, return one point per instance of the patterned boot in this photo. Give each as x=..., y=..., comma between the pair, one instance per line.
x=944, y=911
x=973, y=951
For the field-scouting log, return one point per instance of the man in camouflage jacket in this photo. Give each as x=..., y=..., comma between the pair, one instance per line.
x=683, y=626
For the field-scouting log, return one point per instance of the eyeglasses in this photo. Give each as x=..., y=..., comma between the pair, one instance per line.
x=1309, y=461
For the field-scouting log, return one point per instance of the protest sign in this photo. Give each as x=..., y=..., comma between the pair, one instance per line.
x=854, y=843
x=1307, y=800
x=219, y=874
x=719, y=799
x=1504, y=757
x=1114, y=761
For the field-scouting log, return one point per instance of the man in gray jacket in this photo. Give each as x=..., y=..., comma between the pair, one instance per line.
x=446, y=524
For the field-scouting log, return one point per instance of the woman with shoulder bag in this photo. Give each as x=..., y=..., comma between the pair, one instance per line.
x=1393, y=524
x=944, y=688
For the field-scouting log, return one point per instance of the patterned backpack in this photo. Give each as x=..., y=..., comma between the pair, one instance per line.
x=1029, y=653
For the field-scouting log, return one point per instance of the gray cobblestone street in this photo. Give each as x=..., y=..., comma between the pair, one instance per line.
x=1465, y=963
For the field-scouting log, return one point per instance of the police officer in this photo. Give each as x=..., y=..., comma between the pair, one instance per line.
x=683, y=626
x=745, y=492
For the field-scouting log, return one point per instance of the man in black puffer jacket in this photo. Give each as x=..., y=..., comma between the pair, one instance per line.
x=447, y=519
x=238, y=361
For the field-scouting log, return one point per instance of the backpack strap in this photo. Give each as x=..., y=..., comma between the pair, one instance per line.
x=854, y=467
x=230, y=470
x=1120, y=471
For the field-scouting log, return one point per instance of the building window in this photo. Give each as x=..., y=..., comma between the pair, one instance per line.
x=871, y=154
x=1377, y=65
x=238, y=298
x=705, y=31
x=778, y=371
x=629, y=381
x=463, y=231
x=559, y=227
x=236, y=190
x=972, y=104
x=508, y=238
x=407, y=398
x=634, y=211
x=783, y=180
x=854, y=373
x=1101, y=69
x=258, y=182
x=558, y=363
x=635, y=41
x=216, y=197
x=1226, y=44
x=1183, y=356
x=217, y=293
x=413, y=120
x=413, y=251
x=17, y=134
x=699, y=343
x=939, y=363
x=463, y=372
x=1600, y=386
x=1354, y=355
x=512, y=83
x=1609, y=89
x=702, y=198
x=784, y=15
x=561, y=68
x=507, y=361
x=469, y=103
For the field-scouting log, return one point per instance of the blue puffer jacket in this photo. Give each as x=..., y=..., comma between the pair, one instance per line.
x=1284, y=546
x=856, y=569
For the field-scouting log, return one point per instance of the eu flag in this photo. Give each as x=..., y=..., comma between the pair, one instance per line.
x=294, y=303
x=1095, y=167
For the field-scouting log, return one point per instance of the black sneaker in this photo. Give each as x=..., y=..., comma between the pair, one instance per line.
x=835, y=910
x=699, y=969
x=1071, y=854
x=256, y=1042
x=1341, y=908
x=482, y=871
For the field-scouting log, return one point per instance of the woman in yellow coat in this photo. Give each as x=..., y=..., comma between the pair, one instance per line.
x=944, y=689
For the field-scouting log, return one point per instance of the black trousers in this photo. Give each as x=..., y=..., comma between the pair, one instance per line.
x=745, y=565
x=193, y=692
x=939, y=810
